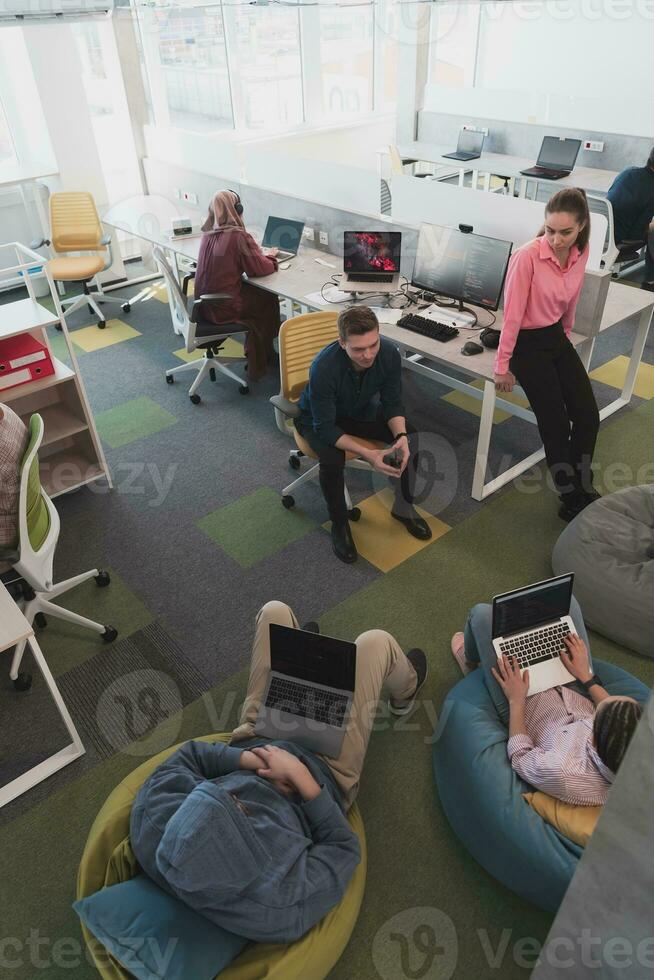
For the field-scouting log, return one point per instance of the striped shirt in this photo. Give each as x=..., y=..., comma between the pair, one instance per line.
x=557, y=755
x=13, y=442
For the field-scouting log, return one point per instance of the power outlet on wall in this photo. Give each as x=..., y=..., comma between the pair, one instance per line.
x=324, y=238
x=308, y=233
x=177, y=194
x=476, y=129
x=596, y=145
x=190, y=197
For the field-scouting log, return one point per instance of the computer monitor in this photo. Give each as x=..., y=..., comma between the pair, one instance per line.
x=556, y=154
x=372, y=251
x=460, y=265
x=470, y=141
x=284, y=234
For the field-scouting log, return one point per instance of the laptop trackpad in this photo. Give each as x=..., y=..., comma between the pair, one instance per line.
x=315, y=736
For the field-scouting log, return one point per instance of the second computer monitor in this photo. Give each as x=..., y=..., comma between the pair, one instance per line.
x=462, y=266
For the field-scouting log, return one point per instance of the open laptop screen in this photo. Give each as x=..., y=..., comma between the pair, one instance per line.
x=371, y=251
x=532, y=606
x=283, y=233
x=469, y=141
x=556, y=154
x=312, y=657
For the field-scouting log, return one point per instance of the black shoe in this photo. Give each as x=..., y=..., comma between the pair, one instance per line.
x=311, y=627
x=415, y=525
x=418, y=660
x=591, y=495
x=573, y=504
x=343, y=543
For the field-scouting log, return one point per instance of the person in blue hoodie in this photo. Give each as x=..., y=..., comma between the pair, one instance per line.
x=254, y=835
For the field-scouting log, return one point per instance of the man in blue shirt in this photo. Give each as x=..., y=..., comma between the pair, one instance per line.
x=354, y=393
x=632, y=197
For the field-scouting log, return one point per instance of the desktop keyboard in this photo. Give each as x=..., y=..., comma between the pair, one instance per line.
x=531, y=648
x=309, y=702
x=427, y=328
x=377, y=277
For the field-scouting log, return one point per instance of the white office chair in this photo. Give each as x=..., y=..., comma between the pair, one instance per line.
x=198, y=334
x=38, y=533
x=618, y=257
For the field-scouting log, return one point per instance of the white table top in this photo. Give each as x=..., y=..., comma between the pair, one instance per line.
x=13, y=625
x=16, y=174
x=591, y=179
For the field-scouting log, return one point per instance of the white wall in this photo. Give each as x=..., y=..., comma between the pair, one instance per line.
x=354, y=144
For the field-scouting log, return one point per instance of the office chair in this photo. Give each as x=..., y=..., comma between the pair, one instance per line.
x=198, y=334
x=619, y=257
x=385, y=202
x=398, y=163
x=300, y=339
x=75, y=227
x=32, y=560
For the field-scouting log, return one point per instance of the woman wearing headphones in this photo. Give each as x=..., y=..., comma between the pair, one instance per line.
x=543, y=285
x=227, y=251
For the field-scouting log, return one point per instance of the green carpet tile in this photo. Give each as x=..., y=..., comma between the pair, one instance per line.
x=135, y=419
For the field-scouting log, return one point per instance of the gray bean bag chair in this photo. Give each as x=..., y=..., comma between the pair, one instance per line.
x=610, y=549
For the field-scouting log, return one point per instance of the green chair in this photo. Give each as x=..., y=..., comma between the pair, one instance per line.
x=32, y=560
x=108, y=860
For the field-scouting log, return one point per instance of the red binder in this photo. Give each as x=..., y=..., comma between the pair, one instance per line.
x=23, y=359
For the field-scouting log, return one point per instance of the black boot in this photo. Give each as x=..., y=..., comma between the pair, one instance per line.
x=343, y=542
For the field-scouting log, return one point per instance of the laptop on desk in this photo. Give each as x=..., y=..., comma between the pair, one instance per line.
x=284, y=234
x=371, y=261
x=310, y=689
x=529, y=624
x=556, y=159
x=468, y=147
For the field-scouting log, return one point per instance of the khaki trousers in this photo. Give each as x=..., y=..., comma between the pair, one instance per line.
x=380, y=663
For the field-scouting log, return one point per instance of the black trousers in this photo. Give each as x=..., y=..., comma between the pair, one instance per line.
x=332, y=465
x=559, y=391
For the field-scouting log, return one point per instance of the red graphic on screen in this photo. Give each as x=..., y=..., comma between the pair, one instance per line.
x=371, y=251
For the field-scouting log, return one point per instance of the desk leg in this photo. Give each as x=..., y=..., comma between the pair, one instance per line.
x=473, y=180
x=461, y=176
x=487, y=180
x=585, y=351
x=483, y=440
x=523, y=186
x=637, y=353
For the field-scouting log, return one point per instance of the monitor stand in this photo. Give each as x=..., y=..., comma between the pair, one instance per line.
x=451, y=315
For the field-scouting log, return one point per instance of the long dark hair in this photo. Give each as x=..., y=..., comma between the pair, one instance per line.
x=573, y=200
x=613, y=727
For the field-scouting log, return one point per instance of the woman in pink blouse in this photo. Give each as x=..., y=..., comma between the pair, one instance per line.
x=543, y=284
x=227, y=250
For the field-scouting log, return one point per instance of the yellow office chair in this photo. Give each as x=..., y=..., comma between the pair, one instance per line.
x=300, y=339
x=75, y=227
x=32, y=560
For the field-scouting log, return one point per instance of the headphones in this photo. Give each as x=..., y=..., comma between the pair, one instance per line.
x=238, y=207
x=490, y=338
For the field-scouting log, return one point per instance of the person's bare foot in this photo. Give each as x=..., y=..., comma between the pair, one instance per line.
x=459, y=654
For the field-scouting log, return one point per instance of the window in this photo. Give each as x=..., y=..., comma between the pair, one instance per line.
x=387, y=29
x=7, y=152
x=186, y=64
x=346, y=58
x=453, y=44
x=265, y=65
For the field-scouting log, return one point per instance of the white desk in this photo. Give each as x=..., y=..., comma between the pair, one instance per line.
x=433, y=359
x=14, y=628
x=590, y=179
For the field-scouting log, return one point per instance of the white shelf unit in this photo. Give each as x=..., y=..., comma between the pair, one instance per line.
x=71, y=454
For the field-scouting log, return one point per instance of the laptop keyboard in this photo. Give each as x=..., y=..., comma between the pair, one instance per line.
x=426, y=327
x=377, y=277
x=309, y=702
x=532, y=648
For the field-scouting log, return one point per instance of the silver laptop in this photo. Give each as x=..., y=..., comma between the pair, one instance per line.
x=371, y=261
x=284, y=234
x=309, y=692
x=529, y=624
x=468, y=146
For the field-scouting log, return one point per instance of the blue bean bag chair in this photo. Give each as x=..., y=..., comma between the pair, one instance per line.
x=482, y=795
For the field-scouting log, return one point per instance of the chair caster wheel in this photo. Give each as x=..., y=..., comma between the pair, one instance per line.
x=195, y=399
x=23, y=682
x=244, y=390
x=102, y=324
x=294, y=462
x=126, y=307
x=102, y=579
x=110, y=634
x=169, y=379
x=212, y=374
x=354, y=514
x=288, y=501
x=40, y=621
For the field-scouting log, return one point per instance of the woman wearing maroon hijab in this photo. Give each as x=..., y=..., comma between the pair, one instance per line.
x=227, y=251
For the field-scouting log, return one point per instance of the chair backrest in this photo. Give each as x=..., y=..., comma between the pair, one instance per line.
x=74, y=222
x=176, y=299
x=396, y=160
x=300, y=339
x=34, y=518
x=597, y=204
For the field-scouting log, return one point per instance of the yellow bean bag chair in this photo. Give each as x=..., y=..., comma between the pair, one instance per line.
x=108, y=860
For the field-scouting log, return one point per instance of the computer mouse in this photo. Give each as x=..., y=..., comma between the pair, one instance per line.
x=284, y=265
x=470, y=347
